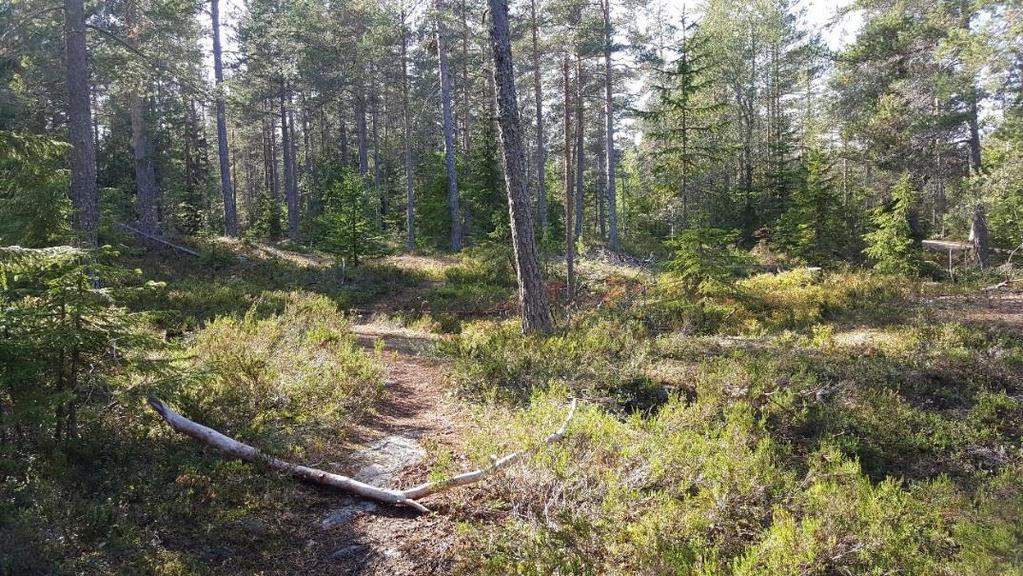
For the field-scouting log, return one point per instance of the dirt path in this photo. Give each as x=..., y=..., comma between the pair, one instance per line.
x=999, y=308
x=416, y=423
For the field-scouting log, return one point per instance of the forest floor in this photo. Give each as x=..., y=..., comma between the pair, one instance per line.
x=417, y=411
x=917, y=381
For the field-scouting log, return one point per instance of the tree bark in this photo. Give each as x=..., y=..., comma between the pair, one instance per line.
x=449, y=128
x=290, y=190
x=410, y=195
x=569, y=189
x=226, y=188
x=580, y=151
x=536, y=314
x=342, y=133
x=145, y=175
x=275, y=194
x=85, y=216
x=360, y=131
x=609, y=144
x=978, y=227
x=541, y=150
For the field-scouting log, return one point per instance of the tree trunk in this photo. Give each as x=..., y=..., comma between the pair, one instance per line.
x=226, y=189
x=466, y=109
x=609, y=144
x=569, y=190
x=536, y=315
x=580, y=151
x=294, y=200
x=449, y=128
x=978, y=227
x=381, y=196
x=145, y=176
x=541, y=150
x=601, y=195
x=361, y=135
x=275, y=194
x=85, y=217
x=406, y=129
x=290, y=190
x=342, y=133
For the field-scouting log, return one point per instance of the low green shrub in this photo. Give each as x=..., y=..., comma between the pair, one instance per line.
x=288, y=376
x=601, y=358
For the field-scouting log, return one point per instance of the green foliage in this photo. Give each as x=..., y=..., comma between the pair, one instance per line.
x=890, y=245
x=601, y=358
x=60, y=333
x=288, y=377
x=33, y=190
x=347, y=227
x=706, y=260
x=812, y=228
x=754, y=467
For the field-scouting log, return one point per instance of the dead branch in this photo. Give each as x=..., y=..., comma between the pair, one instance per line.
x=178, y=247
x=477, y=475
x=234, y=448
x=407, y=497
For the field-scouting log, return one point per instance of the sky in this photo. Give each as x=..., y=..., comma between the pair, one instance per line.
x=819, y=15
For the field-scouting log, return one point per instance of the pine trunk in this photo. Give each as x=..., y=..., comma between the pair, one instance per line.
x=569, y=189
x=541, y=150
x=580, y=151
x=449, y=128
x=290, y=190
x=226, y=188
x=85, y=218
x=406, y=134
x=536, y=315
x=609, y=144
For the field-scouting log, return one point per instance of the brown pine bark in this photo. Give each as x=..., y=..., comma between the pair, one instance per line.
x=580, y=151
x=85, y=215
x=290, y=190
x=536, y=314
x=145, y=175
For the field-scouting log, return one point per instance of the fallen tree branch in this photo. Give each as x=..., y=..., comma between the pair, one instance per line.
x=160, y=240
x=407, y=497
x=234, y=448
x=477, y=475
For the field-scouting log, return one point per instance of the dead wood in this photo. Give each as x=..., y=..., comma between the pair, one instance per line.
x=407, y=497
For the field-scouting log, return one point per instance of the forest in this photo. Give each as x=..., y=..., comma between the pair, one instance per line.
x=533, y=287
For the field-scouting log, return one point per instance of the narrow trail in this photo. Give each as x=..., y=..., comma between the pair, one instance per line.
x=416, y=422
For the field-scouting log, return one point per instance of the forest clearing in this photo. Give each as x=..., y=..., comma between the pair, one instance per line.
x=534, y=287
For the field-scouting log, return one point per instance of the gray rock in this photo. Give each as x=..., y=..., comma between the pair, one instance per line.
x=351, y=552
x=347, y=512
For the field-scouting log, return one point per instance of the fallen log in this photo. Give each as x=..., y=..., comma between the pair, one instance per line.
x=408, y=497
x=237, y=449
x=159, y=240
